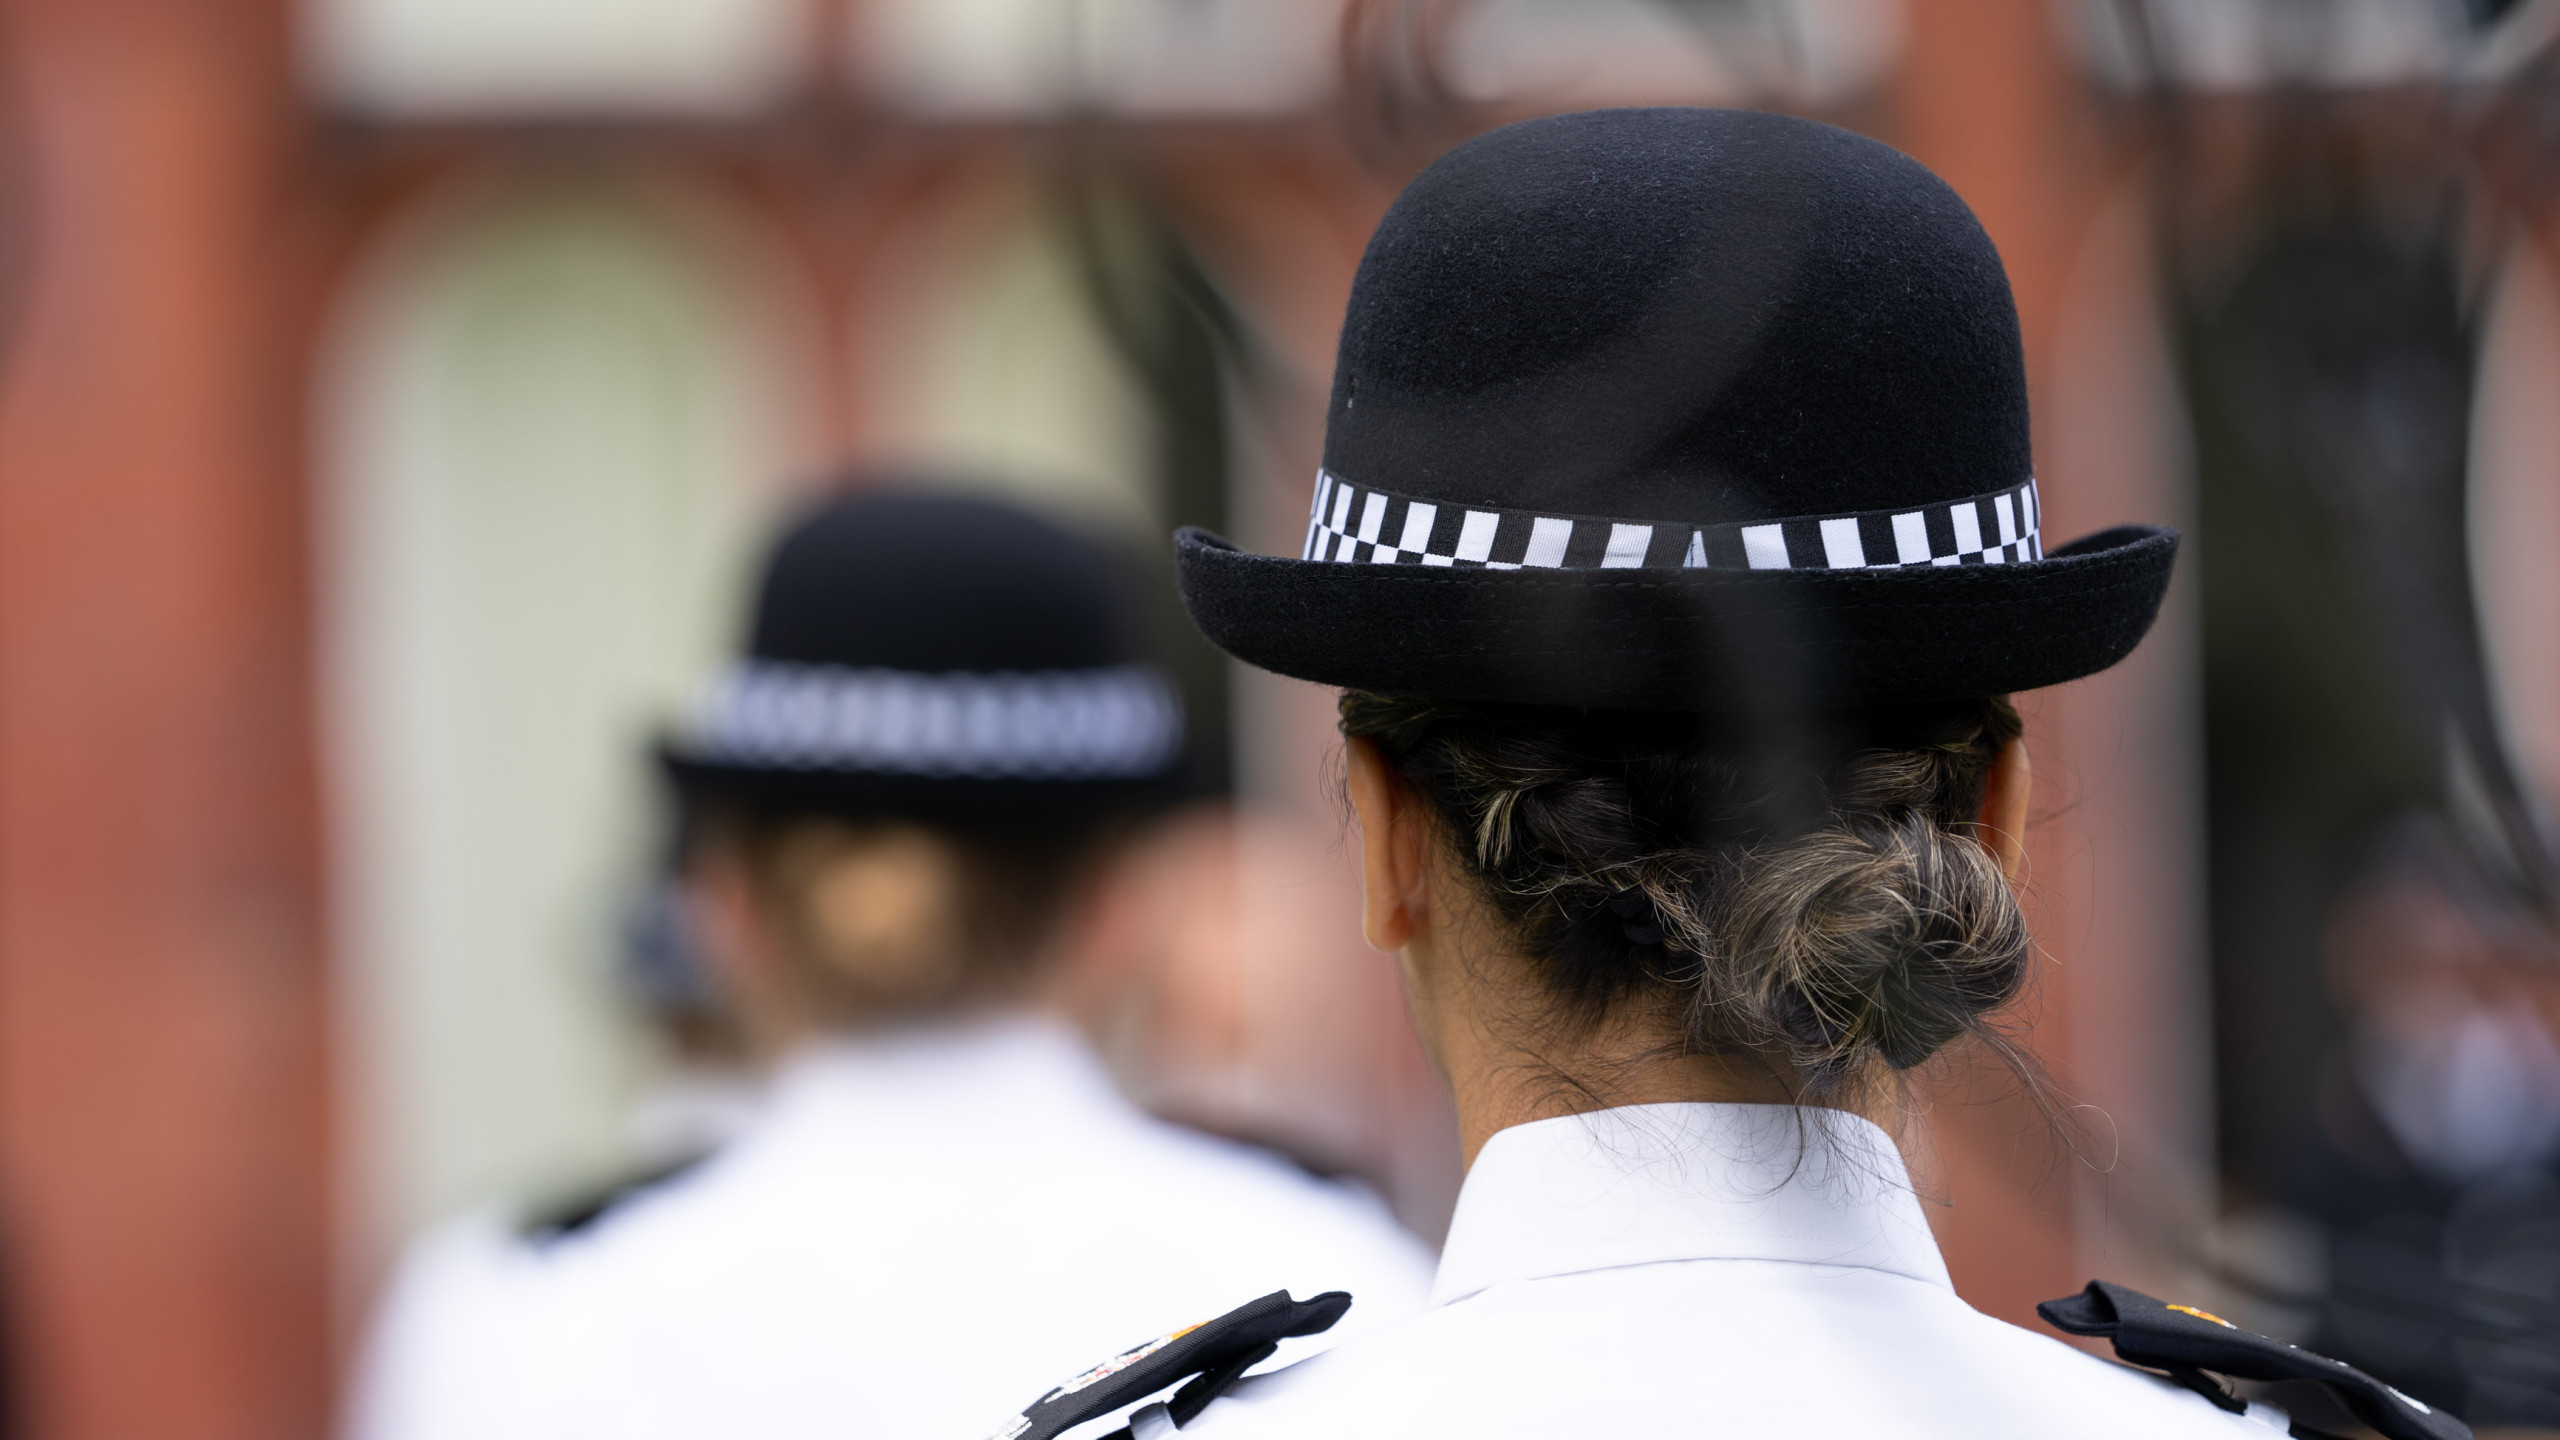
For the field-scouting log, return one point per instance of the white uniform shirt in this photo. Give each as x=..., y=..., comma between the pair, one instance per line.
x=1701, y=1270
x=919, y=1234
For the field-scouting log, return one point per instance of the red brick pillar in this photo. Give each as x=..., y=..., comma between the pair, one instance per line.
x=1991, y=96
x=163, y=1112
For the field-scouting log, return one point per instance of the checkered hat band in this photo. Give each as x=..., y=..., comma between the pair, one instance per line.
x=1116, y=723
x=1355, y=524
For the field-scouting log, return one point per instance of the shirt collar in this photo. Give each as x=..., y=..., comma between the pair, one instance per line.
x=1013, y=1064
x=1642, y=1184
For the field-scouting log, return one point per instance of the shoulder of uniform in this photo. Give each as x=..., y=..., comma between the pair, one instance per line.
x=2190, y=1347
x=581, y=1210
x=1211, y=1356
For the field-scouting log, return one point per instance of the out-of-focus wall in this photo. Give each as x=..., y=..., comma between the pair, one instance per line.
x=974, y=352
x=551, y=431
x=165, y=1094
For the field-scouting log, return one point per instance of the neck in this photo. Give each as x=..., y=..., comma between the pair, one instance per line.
x=1508, y=1059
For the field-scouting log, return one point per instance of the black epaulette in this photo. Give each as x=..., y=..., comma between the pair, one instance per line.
x=2184, y=1343
x=1217, y=1353
x=580, y=1210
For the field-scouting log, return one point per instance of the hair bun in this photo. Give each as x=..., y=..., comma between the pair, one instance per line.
x=1880, y=935
x=1823, y=904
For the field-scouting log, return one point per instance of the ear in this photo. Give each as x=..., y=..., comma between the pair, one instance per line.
x=728, y=921
x=1396, y=890
x=1103, y=935
x=748, y=957
x=2004, y=806
x=1155, y=902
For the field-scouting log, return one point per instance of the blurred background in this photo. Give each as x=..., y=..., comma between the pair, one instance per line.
x=393, y=394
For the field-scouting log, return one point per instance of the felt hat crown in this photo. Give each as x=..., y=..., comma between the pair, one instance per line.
x=1679, y=409
x=934, y=657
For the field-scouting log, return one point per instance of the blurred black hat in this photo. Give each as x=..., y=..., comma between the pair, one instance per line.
x=1679, y=409
x=924, y=656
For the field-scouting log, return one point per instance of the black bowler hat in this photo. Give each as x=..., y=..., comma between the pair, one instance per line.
x=930, y=657
x=1679, y=409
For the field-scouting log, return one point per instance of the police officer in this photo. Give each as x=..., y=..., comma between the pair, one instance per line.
x=897, y=806
x=1675, y=549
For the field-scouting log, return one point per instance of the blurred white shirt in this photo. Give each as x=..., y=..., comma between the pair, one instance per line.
x=919, y=1232
x=1702, y=1270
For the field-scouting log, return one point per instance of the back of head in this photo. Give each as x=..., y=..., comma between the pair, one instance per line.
x=1676, y=526
x=1822, y=909
x=941, y=714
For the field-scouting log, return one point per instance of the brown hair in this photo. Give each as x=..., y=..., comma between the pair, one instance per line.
x=886, y=917
x=1820, y=903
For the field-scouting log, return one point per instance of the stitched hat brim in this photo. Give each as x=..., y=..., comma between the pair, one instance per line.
x=1705, y=640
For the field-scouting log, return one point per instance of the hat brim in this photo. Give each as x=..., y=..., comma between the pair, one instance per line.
x=955, y=802
x=1702, y=640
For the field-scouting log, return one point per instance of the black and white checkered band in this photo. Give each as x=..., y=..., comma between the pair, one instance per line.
x=1354, y=523
x=1119, y=723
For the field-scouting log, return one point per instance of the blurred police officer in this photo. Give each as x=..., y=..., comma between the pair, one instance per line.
x=897, y=806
